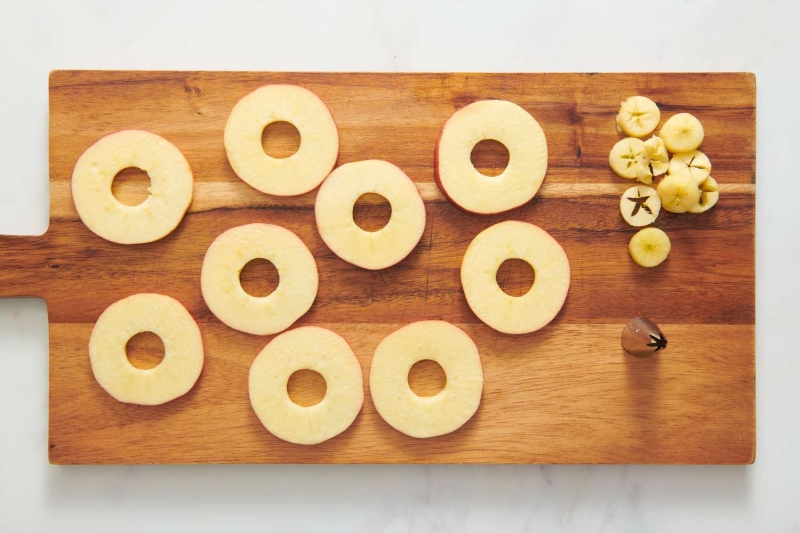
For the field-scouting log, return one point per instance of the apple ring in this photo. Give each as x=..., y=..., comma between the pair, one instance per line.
x=183, y=349
x=170, y=188
x=372, y=250
x=293, y=175
x=311, y=348
x=222, y=290
x=512, y=126
x=515, y=240
x=429, y=416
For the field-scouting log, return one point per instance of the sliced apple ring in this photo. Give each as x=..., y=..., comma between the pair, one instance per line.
x=293, y=175
x=265, y=315
x=502, y=121
x=170, y=188
x=317, y=349
x=515, y=240
x=372, y=250
x=183, y=349
x=426, y=416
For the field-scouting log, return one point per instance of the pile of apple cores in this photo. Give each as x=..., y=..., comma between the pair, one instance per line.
x=686, y=187
x=315, y=348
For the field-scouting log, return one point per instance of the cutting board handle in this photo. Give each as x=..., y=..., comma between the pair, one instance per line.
x=25, y=265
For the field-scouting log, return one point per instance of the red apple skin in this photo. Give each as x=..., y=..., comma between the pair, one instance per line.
x=436, y=170
x=438, y=180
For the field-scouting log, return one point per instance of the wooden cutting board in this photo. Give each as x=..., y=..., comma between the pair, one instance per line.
x=566, y=394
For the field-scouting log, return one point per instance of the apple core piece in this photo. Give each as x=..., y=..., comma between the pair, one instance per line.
x=709, y=196
x=426, y=416
x=502, y=121
x=649, y=247
x=678, y=192
x=629, y=159
x=658, y=154
x=312, y=348
x=372, y=250
x=293, y=175
x=638, y=116
x=222, y=288
x=695, y=163
x=682, y=133
x=640, y=205
x=170, y=188
x=515, y=240
x=183, y=349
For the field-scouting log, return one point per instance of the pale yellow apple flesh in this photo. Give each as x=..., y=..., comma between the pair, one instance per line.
x=369, y=249
x=222, y=289
x=183, y=349
x=649, y=247
x=293, y=175
x=709, y=196
x=629, y=159
x=322, y=351
x=638, y=116
x=515, y=240
x=640, y=205
x=678, y=192
x=508, y=124
x=658, y=154
x=682, y=133
x=428, y=416
x=170, y=189
x=695, y=163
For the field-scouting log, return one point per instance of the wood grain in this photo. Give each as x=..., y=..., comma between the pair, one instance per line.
x=566, y=394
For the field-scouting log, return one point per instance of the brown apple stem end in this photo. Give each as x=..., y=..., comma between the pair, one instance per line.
x=641, y=337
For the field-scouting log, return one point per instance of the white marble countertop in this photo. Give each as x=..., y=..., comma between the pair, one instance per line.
x=411, y=35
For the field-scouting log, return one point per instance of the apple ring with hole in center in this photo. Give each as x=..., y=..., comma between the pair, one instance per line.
x=502, y=121
x=372, y=250
x=426, y=416
x=222, y=289
x=322, y=351
x=515, y=240
x=174, y=376
x=170, y=188
x=301, y=171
